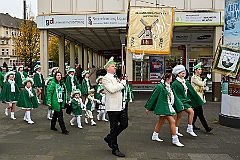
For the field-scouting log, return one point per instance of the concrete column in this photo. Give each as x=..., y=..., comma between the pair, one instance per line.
x=129, y=66
x=103, y=61
x=99, y=61
x=90, y=58
x=85, y=64
x=216, y=77
x=61, y=44
x=44, y=52
x=80, y=53
x=72, y=54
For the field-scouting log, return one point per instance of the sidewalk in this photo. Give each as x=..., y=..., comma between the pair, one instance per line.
x=23, y=141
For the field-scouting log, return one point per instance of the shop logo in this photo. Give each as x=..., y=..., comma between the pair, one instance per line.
x=203, y=37
x=48, y=22
x=182, y=38
x=90, y=20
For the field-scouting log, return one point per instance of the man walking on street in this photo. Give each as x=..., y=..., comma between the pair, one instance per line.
x=114, y=106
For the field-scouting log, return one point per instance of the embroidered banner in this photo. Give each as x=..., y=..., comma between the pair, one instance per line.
x=150, y=30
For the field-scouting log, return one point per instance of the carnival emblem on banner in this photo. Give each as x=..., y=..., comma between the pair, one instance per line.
x=150, y=30
x=227, y=60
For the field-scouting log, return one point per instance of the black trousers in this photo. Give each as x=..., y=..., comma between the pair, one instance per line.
x=59, y=116
x=118, y=122
x=198, y=112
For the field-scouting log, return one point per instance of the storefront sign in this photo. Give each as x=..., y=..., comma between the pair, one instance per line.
x=202, y=37
x=234, y=86
x=195, y=19
x=182, y=37
x=231, y=25
x=144, y=86
x=150, y=30
x=63, y=21
x=106, y=20
x=156, y=67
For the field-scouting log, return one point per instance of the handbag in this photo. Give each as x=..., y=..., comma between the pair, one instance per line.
x=68, y=108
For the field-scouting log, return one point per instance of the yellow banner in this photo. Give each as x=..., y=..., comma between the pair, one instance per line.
x=150, y=30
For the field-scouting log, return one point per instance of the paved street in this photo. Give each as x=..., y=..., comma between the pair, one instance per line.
x=23, y=141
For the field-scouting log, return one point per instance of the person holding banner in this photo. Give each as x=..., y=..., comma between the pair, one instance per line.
x=188, y=96
x=114, y=106
x=199, y=87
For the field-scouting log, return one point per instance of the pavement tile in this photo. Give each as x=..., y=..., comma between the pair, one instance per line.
x=43, y=157
x=220, y=157
x=177, y=155
x=44, y=137
x=199, y=156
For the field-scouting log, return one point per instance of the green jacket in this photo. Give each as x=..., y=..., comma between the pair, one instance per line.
x=37, y=82
x=18, y=79
x=52, y=96
x=76, y=108
x=129, y=93
x=69, y=83
x=8, y=96
x=179, y=89
x=97, y=95
x=84, y=89
x=196, y=100
x=158, y=103
x=25, y=101
x=2, y=74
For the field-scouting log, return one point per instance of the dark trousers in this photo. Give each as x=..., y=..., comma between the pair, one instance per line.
x=198, y=112
x=118, y=122
x=59, y=116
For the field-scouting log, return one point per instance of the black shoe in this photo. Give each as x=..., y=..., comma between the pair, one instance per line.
x=54, y=129
x=209, y=129
x=108, y=142
x=65, y=132
x=118, y=153
x=195, y=127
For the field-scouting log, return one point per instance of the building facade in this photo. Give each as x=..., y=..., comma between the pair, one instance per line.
x=98, y=27
x=9, y=27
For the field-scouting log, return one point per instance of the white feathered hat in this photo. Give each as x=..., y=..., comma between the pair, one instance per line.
x=178, y=69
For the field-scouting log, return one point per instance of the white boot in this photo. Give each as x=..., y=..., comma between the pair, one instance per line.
x=98, y=116
x=179, y=134
x=104, y=116
x=72, y=121
x=25, y=116
x=12, y=116
x=176, y=141
x=38, y=101
x=155, y=137
x=6, y=111
x=190, y=130
x=92, y=122
x=49, y=114
x=29, y=117
x=79, y=122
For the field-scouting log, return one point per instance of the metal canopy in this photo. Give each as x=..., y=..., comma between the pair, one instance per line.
x=107, y=38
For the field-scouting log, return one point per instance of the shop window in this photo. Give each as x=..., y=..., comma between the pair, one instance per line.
x=7, y=51
x=2, y=41
x=2, y=51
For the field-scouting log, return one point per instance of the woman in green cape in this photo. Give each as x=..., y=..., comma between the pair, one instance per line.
x=164, y=102
x=19, y=76
x=27, y=99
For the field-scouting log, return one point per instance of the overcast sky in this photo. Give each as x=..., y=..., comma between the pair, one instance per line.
x=15, y=7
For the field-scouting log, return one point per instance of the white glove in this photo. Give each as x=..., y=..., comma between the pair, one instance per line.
x=124, y=82
x=99, y=102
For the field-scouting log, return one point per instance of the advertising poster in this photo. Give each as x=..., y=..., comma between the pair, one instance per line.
x=150, y=30
x=232, y=23
x=156, y=67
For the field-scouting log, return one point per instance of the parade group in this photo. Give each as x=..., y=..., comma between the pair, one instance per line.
x=81, y=99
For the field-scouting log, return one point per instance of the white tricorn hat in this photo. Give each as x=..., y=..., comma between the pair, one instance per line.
x=25, y=80
x=178, y=69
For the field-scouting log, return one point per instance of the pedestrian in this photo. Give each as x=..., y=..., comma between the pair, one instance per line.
x=199, y=86
x=2, y=74
x=93, y=76
x=86, y=85
x=56, y=99
x=114, y=106
x=102, y=108
x=76, y=104
x=27, y=99
x=10, y=93
x=163, y=102
x=19, y=76
x=47, y=82
x=71, y=81
x=183, y=89
x=97, y=93
x=89, y=107
x=38, y=81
